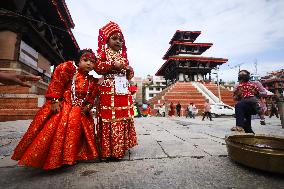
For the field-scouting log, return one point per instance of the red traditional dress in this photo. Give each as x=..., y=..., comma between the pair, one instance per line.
x=115, y=125
x=54, y=139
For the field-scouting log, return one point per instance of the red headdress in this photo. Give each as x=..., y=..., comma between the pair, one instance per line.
x=89, y=54
x=105, y=33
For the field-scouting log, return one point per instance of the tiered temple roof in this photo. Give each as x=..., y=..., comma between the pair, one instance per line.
x=185, y=36
x=183, y=60
x=178, y=47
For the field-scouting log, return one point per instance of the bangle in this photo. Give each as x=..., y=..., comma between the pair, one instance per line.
x=82, y=112
x=89, y=106
x=54, y=100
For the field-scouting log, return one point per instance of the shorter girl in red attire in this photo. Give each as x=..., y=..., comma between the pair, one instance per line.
x=62, y=131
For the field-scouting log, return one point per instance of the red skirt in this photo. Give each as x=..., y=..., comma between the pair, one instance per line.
x=116, y=137
x=56, y=139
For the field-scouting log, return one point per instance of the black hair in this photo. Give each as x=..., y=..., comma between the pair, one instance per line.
x=81, y=53
x=244, y=76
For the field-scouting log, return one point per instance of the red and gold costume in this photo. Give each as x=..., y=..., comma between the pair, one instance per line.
x=54, y=139
x=115, y=125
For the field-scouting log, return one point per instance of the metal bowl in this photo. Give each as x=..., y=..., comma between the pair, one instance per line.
x=257, y=151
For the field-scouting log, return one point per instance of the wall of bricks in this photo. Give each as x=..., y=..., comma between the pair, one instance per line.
x=8, y=40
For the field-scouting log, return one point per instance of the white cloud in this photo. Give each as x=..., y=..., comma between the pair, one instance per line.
x=237, y=28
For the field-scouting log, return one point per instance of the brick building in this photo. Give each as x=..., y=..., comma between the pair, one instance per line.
x=34, y=35
x=274, y=82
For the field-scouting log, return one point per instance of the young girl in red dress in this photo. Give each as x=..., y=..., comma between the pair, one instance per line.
x=62, y=131
x=115, y=125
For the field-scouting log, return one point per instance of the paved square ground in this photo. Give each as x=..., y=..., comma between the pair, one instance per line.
x=172, y=153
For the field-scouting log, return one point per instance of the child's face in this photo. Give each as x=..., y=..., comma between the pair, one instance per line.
x=115, y=41
x=87, y=62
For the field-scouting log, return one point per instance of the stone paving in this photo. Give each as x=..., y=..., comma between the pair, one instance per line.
x=172, y=153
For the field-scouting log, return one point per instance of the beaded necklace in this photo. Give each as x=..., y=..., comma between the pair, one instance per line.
x=114, y=56
x=75, y=100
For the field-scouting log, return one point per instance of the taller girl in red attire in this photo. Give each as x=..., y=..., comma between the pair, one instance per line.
x=62, y=131
x=115, y=126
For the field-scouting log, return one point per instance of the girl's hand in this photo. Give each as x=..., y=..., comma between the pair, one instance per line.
x=129, y=72
x=55, y=107
x=129, y=69
x=85, y=111
x=119, y=66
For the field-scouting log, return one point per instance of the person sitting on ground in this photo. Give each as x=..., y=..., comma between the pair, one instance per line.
x=246, y=93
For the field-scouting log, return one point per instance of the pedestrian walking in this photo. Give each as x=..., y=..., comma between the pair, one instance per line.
x=172, y=109
x=178, y=109
x=207, y=110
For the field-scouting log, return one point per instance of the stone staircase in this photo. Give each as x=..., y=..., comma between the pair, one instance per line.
x=182, y=92
x=17, y=103
x=226, y=95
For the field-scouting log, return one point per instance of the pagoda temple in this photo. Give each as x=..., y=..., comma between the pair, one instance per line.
x=34, y=35
x=188, y=74
x=183, y=60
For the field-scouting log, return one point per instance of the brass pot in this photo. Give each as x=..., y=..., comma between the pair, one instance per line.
x=257, y=151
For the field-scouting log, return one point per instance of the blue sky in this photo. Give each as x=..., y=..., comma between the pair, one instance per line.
x=242, y=31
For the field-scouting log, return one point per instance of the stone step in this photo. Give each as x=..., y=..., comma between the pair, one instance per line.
x=183, y=93
x=169, y=97
x=185, y=89
x=184, y=106
x=13, y=89
x=18, y=103
x=17, y=114
x=188, y=87
x=184, y=101
x=183, y=84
